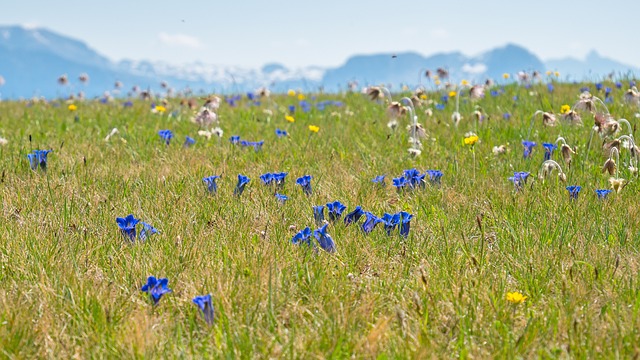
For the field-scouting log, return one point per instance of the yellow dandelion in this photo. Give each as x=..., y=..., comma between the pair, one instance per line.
x=301, y=97
x=291, y=93
x=437, y=82
x=289, y=118
x=423, y=97
x=557, y=74
x=452, y=94
x=506, y=76
x=464, y=82
x=515, y=298
x=548, y=72
x=564, y=109
x=471, y=139
x=72, y=107
x=314, y=128
x=160, y=109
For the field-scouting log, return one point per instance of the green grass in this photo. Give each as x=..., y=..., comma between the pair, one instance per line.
x=70, y=283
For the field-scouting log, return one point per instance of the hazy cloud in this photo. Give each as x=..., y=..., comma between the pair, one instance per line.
x=439, y=33
x=180, y=40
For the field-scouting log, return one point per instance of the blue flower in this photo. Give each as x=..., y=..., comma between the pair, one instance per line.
x=632, y=83
x=353, y=216
x=235, y=139
x=242, y=182
x=444, y=98
x=206, y=306
x=405, y=220
x=257, y=145
x=250, y=96
x=370, y=222
x=303, y=237
x=189, y=141
x=550, y=87
x=267, y=178
x=439, y=106
x=506, y=116
x=390, y=222
x=326, y=242
x=305, y=182
x=128, y=104
x=38, y=158
x=279, y=179
x=574, y=190
x=602, y=193
x=210, y=181
x=618, y=85
x=399, y=183
x=413, y=178
x=334, y=210
x=528, y=147
x=166, y=135
x=146, y=231
x=519, y=179
x=156, y=288
x=494, y=93
x=548, y=150
x=379, y=180
x=292, y=109
x=318, y=214
x=599, y=86
x=585, y=89
x=282, y=198
x=127, y=226
x=281, y=133
x=607, y=92
x=434, y=176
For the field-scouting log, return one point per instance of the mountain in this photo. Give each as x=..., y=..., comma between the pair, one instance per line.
x=31, y=60
x=593, y=67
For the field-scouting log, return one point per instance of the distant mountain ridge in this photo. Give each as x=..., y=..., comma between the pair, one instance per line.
x=32, y=59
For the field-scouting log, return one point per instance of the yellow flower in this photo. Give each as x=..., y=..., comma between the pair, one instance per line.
x=291, y=93
x=452, y=94
x=423, y=97
x=160, y=109
x=314, y=128
x=565, y=109
x=464, y=82
x=515, y=298
x=72, y=107
x=436, y=77
x=301, y=97
x=289, y=118
x=471, y=140
x=548, y=72
x=506, y=75
x=437, y=82
x=557, y=74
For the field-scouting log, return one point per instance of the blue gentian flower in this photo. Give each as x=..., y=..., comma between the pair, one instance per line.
x=156, y=288
x=574, y=190
x=550, y=87
x=318, y=214
x=189, y=141
x=242, y=182
x=267, y=178
x=306, y=107
x=38, y=158
x=353, y=216
x=128, y=104
x=305, y=182
x=494, y=93
x=166, y=135
x=302, y=237
x=608, y=100
x=292, y=109
x=210, y=181
x=326, y=242
x=281, y=133
x=602, y=193
x=607, y=92
x=599, y=86
x=282, y=198
x=548, y=150
x=279, y=178
x=413, y=178
x=334, y=210
x=257, y=145
x=439, y=106
x=405, y=223
x=250, y=96
x=528, y=147
x=379, y=180
x=370, y=222
x=390, y=222
x=585, y=89
x=206, y=306
x=235, y=139
x=445, y=98
x=399, y=183
x=146, y=231
x=632, y=83
x=618, y=85
x=506, y=116
x=127, y=226
x=434, y=176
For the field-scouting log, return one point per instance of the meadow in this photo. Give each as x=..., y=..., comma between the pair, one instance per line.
x=491, y=267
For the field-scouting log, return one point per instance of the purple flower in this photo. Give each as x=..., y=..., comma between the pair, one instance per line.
x=210, y=181
x=528, y=147
x=318, y=214
x=156, y=288
x=370, y=222
x=379, y=180
x=303, y=237
x=548, y=150
x=206, y=306
x=334, y=210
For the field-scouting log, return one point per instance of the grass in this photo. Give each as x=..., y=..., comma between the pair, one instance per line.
x=70, y=283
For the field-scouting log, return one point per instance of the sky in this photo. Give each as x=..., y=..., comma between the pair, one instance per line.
x=251, y=33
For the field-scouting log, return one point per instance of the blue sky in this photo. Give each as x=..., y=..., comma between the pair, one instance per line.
x=251, y=33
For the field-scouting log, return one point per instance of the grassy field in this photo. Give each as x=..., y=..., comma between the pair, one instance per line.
x=70, y=282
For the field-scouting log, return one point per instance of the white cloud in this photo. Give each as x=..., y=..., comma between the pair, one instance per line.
x=439, y=33
x=180, y=40
x=30, y=25
x=475, y=68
